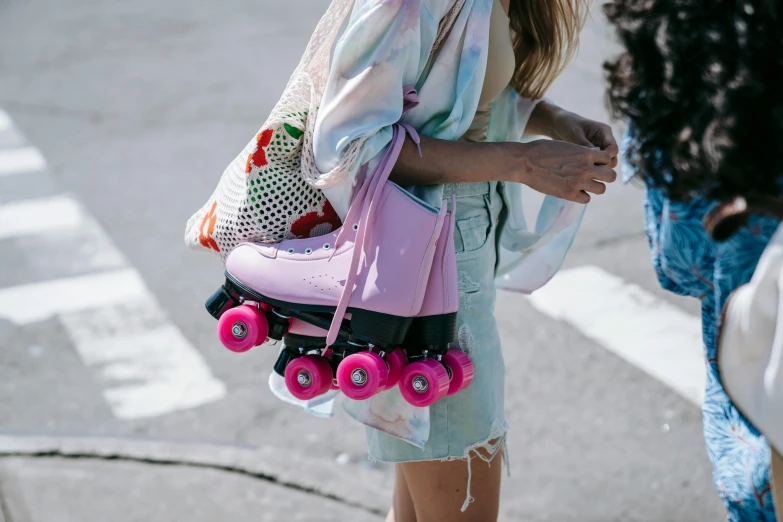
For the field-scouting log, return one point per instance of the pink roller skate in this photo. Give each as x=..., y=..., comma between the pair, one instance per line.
x=374, y=267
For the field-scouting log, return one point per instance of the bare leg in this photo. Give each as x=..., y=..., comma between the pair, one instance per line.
x=402, y=504
x=439, y=489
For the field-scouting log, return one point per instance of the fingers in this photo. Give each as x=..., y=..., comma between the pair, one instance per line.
x=607, y=141
x=591, y=180
x=579, y=190
x=602, y=137
x=600, y=157
x=604, y=174
x=581, y=139
x=612, y=148
x=582, y=197
x=604, y=140
x=576, y=195
x=596, y=187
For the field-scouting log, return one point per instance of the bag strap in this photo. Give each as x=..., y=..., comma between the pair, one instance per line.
x=445, y=27
x=444, y=30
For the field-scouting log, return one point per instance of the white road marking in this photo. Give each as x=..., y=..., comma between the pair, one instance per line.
x=40, y=216
x=148, y=372
x=653, y=335
x=25, y=304
x=149, y=366
x=117, y=326
x=5, y=121
x=22, y=160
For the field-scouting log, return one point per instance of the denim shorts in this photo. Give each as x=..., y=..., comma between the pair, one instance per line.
x=472, y=418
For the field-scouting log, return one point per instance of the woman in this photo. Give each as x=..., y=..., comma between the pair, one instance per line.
x=701, y=90
x=476, y=94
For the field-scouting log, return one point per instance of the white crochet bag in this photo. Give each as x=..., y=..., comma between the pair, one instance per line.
x=271, y=191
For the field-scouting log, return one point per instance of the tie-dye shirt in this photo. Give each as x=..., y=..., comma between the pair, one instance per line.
x=384, y=46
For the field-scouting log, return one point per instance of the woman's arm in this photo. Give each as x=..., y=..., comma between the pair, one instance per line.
x=556, y=168
x=540, y=122
x=377, y=55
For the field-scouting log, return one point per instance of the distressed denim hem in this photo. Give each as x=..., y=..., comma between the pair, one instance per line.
x=484, y=449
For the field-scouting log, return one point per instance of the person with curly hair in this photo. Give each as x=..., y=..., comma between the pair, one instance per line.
x=700, y=87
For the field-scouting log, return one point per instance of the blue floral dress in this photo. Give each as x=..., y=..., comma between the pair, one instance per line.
x=688, y=262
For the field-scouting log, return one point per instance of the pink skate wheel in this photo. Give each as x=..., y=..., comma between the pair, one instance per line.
x=424, y=382
x=396, y=361
x=308, y=377
x=361, y=375
x=242, y=328
x=458, y=363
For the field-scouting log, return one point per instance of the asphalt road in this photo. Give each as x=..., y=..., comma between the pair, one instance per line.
x=137, y=107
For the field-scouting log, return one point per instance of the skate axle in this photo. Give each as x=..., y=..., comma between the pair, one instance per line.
x=239, y=330
x=420, y=384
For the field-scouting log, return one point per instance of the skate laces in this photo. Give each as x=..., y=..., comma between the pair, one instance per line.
x=365, y=205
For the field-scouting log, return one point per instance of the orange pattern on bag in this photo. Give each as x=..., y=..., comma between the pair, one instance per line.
x=258, y=158
x=208, y=223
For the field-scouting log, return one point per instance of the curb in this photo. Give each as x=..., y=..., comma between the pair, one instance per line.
x=350, y=485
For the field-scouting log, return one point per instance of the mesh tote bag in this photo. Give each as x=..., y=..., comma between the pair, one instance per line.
x=271, y=190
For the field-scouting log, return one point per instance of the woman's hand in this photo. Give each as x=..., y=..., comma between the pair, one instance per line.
x=570, y=127
x=559, y=169
x=559, y=124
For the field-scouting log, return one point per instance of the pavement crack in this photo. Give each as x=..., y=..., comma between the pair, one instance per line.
x=196, y=465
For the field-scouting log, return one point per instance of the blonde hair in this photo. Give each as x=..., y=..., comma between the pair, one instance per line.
x=546, y=37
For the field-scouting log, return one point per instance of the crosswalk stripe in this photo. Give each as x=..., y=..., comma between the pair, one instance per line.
x=40, y=216
x=147, y=366
x=23, y=160
x=28, y=303
x=149, y=370
x=651, y=334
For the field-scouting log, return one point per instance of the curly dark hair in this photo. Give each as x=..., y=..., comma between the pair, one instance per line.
x=701, y=83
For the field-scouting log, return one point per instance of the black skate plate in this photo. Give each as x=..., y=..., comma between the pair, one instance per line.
x=434, y=332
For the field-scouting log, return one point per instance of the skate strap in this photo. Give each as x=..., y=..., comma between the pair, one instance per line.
x=363, y=207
